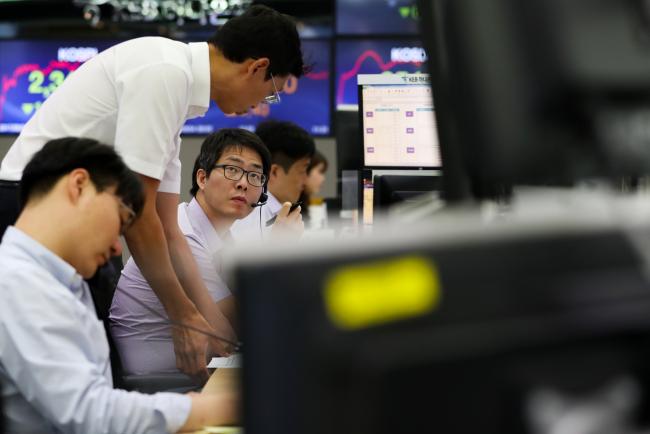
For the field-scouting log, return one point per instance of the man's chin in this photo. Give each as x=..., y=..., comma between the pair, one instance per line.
x=89, y=275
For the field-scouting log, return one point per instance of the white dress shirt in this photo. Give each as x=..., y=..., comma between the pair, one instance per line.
x=144, y=339
x=134, y=96
x=252, y=228
x=54, y=363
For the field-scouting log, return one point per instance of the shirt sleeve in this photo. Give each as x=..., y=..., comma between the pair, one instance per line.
x=55, y=351
x=153, y=102
x=171, y=180
x=208, y=266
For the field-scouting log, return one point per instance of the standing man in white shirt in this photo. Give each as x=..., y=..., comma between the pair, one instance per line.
x=291, y=150
x=54, y=357
x=136, y=96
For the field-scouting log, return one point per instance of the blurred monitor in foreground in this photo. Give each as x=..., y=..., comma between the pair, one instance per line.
x=540, y=91
x=530, y=333
x=397, y=120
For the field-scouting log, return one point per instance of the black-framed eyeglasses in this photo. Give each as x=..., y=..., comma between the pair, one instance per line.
x=127, y=216
x=275, y=98
x=235, y=173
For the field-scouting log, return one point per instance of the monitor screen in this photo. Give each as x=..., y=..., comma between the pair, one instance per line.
x=449, y=334
x=399, y=128
x=392, y=189
x=395, y=17
x=305, y=102
x=32, y=69
x=376, y=56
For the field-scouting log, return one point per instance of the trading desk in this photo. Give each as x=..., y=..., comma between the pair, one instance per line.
x=221, y=379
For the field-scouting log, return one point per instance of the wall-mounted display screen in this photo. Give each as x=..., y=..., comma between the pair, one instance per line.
x=372, y=17
x=31, y=70
x=377, y=56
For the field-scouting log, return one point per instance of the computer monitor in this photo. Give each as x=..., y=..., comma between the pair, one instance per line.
x=397, y=119
x=348, y=140
x=547, y=92
x=447, y=331
x=392, y=189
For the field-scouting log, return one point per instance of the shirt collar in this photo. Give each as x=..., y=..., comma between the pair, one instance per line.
x=62, y=271
x=202, y=224
x=273, y=204
x=201, y=72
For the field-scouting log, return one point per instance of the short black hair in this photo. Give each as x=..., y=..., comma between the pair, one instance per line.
x=217, y=143
x=59, y=157
x=262, y=32
x=287, y=142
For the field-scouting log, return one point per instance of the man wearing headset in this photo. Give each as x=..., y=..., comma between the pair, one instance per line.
x=228, y=182
x=291, y=150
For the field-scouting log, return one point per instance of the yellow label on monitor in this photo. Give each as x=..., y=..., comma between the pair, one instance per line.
x=371, y=294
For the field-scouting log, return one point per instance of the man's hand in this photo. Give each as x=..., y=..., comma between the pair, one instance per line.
x=191, y=346
x=224, y=330
x=288, y=225
x=218, y=403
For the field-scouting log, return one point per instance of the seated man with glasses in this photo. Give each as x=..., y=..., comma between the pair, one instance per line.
x=228, y=178
x=77, y=197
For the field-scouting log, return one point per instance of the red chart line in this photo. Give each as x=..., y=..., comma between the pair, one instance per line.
x=369, y=54
x=323, y=75
x=9, y=83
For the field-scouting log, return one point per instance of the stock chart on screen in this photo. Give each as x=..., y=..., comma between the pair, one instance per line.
x=372, y=17
x=377, y=56
x=31, y=70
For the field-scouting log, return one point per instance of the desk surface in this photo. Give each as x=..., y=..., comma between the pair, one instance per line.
x=221, y=378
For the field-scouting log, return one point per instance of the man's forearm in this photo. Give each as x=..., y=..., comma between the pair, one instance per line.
x=147, y=243
x=190, y=278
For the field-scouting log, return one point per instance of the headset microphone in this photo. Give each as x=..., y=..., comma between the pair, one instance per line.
x=262, y=200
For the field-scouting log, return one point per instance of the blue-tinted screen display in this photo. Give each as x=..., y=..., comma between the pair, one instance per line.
x=373, y=57
x=305, y=101
x=31, y=70
x=372, y=17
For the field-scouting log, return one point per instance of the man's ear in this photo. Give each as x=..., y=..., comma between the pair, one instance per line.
x=201, y=178
x=76, y=182
x=259, y=65
x=275, y=171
